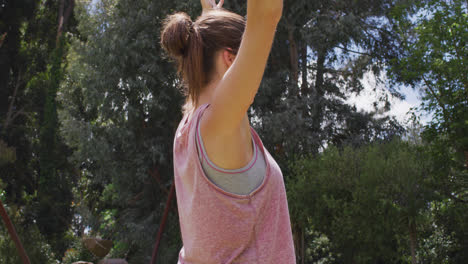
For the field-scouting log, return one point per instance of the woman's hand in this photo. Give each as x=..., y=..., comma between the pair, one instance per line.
x=211, y=4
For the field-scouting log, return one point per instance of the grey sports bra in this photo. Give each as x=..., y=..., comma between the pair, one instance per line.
x=238, y=181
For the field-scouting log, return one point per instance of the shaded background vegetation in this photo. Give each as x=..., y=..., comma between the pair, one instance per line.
x=89, y=106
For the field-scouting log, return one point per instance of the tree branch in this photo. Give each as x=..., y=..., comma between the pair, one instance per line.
x=2, y=38
x=19, y=112
x=60, y=20
x=293, y=54
x=9, y=118
x=304, y=73
x=68, y=12
x=135, y=198
x=431, y=90
x=157, y=178
x=353, y=51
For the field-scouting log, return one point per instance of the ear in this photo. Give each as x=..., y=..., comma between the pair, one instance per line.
x=228, y=58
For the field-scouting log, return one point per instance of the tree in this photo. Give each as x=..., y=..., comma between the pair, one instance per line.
x=371, y=202
x=434, y=60
x=37, y=177
x=121, y=109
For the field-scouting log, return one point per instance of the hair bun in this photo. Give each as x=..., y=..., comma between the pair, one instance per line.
x=175, y=34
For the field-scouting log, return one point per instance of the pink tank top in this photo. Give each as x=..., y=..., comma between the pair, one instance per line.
x=223, y=227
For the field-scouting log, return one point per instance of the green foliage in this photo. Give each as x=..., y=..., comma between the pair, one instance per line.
x=78, y=252
x=318, y=248
x=7, y=154
x=38, y=179
x=35, y=244
x=451, y=217
x=54, y=188
x=364, y=200
x=121, y=108
x=434, y=59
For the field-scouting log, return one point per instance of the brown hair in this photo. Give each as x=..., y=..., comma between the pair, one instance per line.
x=194, y=44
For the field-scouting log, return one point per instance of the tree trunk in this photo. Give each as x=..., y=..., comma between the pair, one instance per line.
x=293, y=55
x=2, y=38
x=63, y=17
x=319, y=79
x=413, y=241
x=10, y=116
x=318, y=93
x=298, y=239
x=304, y=84
x=466, y=158
x=302, y=246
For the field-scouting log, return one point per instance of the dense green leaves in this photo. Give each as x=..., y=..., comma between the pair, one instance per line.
x=435, y=60
x=368, y=201
x=121, y=109
x=34, y=169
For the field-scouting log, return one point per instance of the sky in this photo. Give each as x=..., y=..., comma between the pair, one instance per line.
x=399, y=108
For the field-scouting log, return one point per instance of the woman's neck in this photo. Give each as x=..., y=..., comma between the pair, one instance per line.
x=206, y=96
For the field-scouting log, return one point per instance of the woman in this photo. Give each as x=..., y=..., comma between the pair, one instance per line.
x=230, y=192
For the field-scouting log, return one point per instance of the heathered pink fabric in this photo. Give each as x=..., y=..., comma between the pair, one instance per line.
x=222, y=227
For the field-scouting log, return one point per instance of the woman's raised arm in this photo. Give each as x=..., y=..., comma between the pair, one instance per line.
x=239, y=85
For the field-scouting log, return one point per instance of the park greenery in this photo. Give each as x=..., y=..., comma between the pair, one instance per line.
x=89, y=106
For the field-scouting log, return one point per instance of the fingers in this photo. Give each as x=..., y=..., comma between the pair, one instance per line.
x=212, y=4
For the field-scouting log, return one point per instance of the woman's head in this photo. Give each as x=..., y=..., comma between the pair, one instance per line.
x=194, y=45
